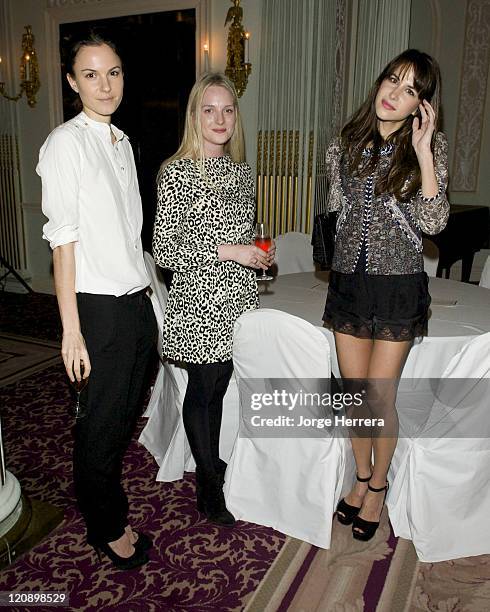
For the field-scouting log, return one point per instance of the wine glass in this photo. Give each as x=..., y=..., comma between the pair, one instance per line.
x=263, y=241
x=79, y=385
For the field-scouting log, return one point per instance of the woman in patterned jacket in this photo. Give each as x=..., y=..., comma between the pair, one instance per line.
x=388, y=178
x=203, y=231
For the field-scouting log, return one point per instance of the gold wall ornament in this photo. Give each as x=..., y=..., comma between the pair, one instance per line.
x=284, y=181
x=238, y=66
x=28, y=71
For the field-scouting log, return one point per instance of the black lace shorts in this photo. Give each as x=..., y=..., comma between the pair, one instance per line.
x=382, y=307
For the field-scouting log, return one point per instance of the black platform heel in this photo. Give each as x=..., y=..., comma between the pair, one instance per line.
x=368, y=528
x=143, y=542
x=137, y=559
x=349, y=512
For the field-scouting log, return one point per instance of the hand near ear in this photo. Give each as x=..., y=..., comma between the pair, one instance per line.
x=422, y=129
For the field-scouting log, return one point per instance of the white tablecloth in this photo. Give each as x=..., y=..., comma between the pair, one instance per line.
x=439, y=496
x=458, y=311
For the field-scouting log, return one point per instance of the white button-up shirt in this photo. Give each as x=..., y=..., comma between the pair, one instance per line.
x=90, y=196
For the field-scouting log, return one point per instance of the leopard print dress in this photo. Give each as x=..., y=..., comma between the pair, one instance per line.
x=199, y=209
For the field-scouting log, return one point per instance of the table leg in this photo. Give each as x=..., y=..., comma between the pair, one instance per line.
x=466, y=265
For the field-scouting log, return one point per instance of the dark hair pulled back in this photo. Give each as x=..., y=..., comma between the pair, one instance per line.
x=90, y=38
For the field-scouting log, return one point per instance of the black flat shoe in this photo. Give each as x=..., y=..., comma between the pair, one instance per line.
x=143, y=542
x=137, y=559
x=348, y=512
x=367, y=528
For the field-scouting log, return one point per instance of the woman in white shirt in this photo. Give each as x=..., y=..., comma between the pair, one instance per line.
x=91, y=198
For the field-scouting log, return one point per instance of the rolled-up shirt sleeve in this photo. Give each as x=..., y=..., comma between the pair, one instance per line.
x=59, y=168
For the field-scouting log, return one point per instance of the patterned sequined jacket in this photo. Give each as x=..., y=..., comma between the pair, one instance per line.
x=389, y=229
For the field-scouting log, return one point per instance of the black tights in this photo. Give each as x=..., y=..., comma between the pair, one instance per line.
x=202, y=411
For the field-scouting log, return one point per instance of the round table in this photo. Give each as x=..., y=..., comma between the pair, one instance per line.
x=427, y=472
x=458, y=311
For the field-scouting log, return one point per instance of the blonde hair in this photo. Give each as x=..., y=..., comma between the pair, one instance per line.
x=192, y=145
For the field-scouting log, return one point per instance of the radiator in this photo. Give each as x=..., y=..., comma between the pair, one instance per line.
x=12, y=244
x=280, y=180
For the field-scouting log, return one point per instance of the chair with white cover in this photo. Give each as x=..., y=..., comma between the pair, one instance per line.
x=164, y=434
x=485, y=275
x=291, y=484
x=158, y=295
x=440, y=495
x=164, y=429
x=294, y=253
x=431, y=257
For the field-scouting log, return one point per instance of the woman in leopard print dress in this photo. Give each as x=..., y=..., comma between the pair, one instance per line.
x=203, y=232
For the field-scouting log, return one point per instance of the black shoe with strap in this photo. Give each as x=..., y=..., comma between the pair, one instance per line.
x=137, y=559
x=348, y=512
x=367, y=529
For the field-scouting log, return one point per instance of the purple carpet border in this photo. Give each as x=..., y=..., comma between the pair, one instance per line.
x=298, y=579
x=377, y=576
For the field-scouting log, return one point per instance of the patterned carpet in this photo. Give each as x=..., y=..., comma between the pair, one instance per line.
x=383, y=575
x=195, y=566
x=350, y=576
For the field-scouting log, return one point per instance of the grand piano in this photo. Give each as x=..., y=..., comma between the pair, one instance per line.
x=467, y=231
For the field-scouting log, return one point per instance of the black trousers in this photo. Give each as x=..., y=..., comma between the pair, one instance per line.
x=120, y=334
x=202, y=412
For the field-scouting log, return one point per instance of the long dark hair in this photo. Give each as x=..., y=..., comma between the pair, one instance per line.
x=362, y=129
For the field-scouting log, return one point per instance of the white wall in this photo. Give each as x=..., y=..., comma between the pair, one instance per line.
x=438, y=27
x=33, y=125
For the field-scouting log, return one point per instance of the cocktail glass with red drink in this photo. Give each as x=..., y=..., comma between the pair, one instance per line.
x=263, y=240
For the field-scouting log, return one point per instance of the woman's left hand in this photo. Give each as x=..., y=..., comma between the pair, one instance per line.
x=422, y=129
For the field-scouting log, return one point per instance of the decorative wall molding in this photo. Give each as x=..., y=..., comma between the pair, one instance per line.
x=10, y=70
x=435, y=10
x=471, y=109
x=64, y=3
x=69, y=11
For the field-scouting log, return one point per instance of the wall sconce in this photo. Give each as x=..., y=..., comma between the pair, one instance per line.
x=28, y=71
x=238, y=66
x=205, y=49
